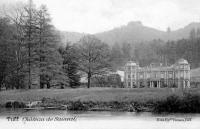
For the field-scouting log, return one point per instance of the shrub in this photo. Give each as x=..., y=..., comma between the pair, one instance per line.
x=190, y=103
x=15, y=104
x=77, y=106
x=170, y=104
x=187, y=103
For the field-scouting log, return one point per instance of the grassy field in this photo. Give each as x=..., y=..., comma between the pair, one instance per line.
x=92, y=94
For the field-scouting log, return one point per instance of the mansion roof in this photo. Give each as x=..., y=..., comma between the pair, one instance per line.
x=180, y=64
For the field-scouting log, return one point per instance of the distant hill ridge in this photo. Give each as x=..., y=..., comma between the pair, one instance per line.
x=134, y=32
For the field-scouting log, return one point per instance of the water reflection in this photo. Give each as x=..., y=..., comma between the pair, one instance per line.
x=88, y=114
x=99, y=120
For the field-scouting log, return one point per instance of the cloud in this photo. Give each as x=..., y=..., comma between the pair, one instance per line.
x=92, y=16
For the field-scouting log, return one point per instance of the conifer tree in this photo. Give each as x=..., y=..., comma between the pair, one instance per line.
x=70, y=64
x=50, y=60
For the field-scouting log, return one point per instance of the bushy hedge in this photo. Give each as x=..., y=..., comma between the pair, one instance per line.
x=77, y=106
x=15, y=104
x=188, y=103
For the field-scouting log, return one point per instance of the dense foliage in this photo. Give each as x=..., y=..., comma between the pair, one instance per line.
x=29, y=49
x=70, y=64
x=93, y=56
x=31, y=55
x=166, y=53
x=188, y=103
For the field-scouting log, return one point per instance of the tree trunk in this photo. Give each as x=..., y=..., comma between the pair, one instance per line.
x=1, y=83
x=89, y=77
x=41, y=85
x=48, y=85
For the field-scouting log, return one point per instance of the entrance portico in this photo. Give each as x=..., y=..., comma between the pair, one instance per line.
x=155, y=84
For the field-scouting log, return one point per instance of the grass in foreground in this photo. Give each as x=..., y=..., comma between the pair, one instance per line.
x=84, y=94
x=155, y=100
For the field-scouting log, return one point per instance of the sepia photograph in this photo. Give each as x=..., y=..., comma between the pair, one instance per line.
x=100, y=64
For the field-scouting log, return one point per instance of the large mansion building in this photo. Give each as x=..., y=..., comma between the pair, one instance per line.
x=157, y=75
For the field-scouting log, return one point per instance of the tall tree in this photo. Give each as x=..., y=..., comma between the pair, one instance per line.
x=36, y=52
x=116, y=56
x=16, y=14
x=50, y=60
x=93, y=57
x=30, y=29
x=193, y=34
x=126, y=48
x=4, y=49
x=8, y=55
x=70, y=64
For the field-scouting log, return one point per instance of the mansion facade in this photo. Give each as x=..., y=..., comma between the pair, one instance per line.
x=157, y=76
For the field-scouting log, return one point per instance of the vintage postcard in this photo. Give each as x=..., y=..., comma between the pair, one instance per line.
x=100, y=64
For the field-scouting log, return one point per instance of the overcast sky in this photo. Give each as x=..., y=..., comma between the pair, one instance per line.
x=92, y=16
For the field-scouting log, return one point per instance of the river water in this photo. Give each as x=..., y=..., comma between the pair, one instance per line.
x=96, y=120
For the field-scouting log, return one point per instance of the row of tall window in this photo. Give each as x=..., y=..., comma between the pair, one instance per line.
x=162, y=83
x=170, y=74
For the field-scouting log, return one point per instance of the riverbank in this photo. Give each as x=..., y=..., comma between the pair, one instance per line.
x=106, y=99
